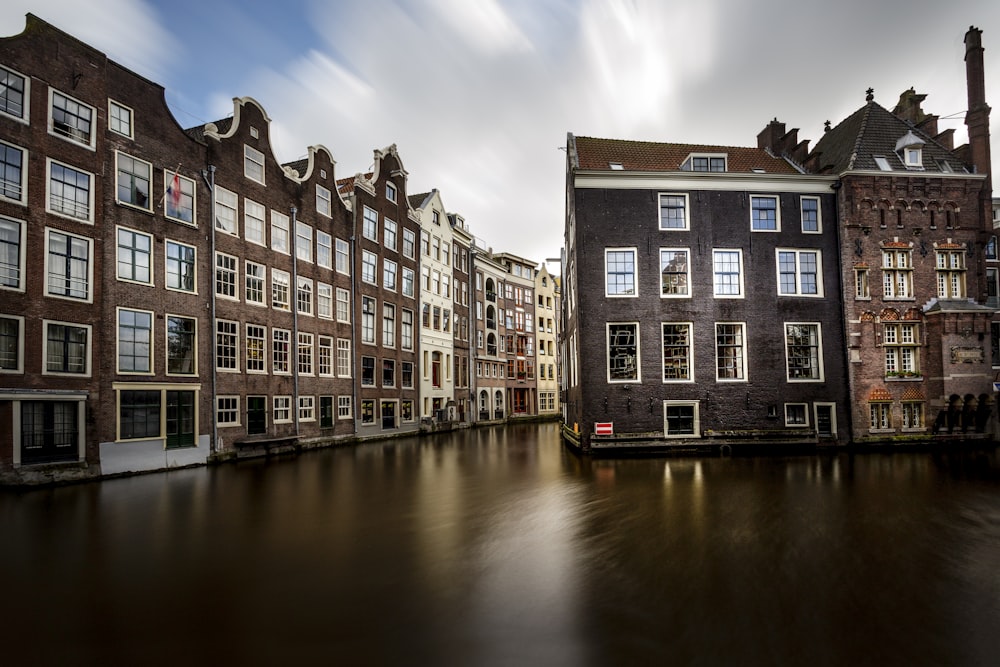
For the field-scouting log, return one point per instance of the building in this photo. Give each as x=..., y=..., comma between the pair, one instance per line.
x=701, y=293
x=490, y=351
x=519, y=343
x=547, y=341
x=462, y=243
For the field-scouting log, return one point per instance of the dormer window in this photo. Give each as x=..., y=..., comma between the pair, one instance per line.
x=910, y=150
x=882, y=163
x=705, y=162
x=390, y=191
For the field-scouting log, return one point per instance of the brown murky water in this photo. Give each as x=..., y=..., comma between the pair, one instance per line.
x=499, y=547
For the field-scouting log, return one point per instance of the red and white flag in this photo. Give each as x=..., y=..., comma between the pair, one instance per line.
x=174, y=191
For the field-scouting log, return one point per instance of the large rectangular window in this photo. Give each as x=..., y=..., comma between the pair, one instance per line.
x=677, y=352
x=950, y=274
x=70, y=192
x=730, y=352
x=135, y=256
x=253, y=222
x=368, y=371
x=13, y=94
x=181, y=266
x=254, y=279
x=12, y=254
x=342, y=250
x=226, y=211
x=369, y=266
x=324, y=249
x=389, y=275
x=673, y=211
x=369, y=225
x=811, y=223
x=343, y=357
x=305, y=353
x=803, y=352
x=256, y=348
x=764, y=213
x=133, y=181
x=67, y=348
x=897, y=274
x=227, y=345
x=304, y=296
x=68, y=265
x=280, y=287
x=225, y=276
x=367, y=320
x=139, y=414
x=799, y=273
x=409, y=243
x=389, y=234
x=901, y=344
x=623, y=352
x=406, y=329
x=343, y=305
x=279, y=232
x=71, y=119
x=388, y=325
x=182, y=345
x=408, y=278
x=253, y=164
x=303, y=241
x=324, y=301
x=323, y=201
x=135, y=341
x=324, y=356
x=281, y=341
x=675, y=272
x=727, y=268
x=620, y=272
x=179, y=197
x=12, y=173
x=11, y=344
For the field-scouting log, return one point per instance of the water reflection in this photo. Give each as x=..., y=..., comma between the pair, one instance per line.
x=498, y=547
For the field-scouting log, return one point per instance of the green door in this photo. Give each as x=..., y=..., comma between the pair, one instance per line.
x=180, y=419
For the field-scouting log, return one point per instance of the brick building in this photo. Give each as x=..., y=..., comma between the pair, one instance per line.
x=547, y=340
x=462, y=243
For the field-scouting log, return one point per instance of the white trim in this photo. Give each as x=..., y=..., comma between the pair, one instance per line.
x=607, y=358
x=89, y=220
x=688, y=273
x=696, y=426
x=777, y=212
x=805, y=413
x=22, y=254
x=819, y=214
x=635, y=273
x=819, y=352
x=742, y=288
x=168, y=176
x=19, y=370
x=687, y=212
x=820, y=291
x=745, y=362
x=23, y=200
x=166, y=345
x=152, y=264
x=151, y=357
x=219, y=421
x=251, y=155
x=25, y=116
x=131, y=118
x=90, y=266
x=89, y=346
x=690, y=354
x=167, y=242
x=707, y=181
x=93, y=121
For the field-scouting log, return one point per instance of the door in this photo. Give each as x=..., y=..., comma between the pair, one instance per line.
x=388, y=415
x=180, y=419
x=256, y=415
x=824, y=421
x=49, y=431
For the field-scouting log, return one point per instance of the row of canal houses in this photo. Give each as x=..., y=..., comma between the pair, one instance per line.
x=170, y=296
x=777, y=295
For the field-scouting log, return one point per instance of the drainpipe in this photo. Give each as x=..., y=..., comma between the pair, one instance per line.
x=294, y=299
x=355, y=341
x=473, y=354
x=209, y=177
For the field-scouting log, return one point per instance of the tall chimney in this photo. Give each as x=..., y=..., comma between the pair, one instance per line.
x=977, y=117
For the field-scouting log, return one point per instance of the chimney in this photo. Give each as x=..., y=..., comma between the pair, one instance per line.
x=977, y=116
x=781, y=143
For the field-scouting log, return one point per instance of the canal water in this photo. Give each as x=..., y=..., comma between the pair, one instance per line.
x=500, y=547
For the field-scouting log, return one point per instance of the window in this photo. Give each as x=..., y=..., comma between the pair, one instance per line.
x=619, y=269
x=256, y=342
x=623, y=352
x=280, y=284
x=226, y=204
x=913, y=158
x=134, y=256
x=764, y=214
x=367, y=320
x=133, y=181
x=226, y=345
x=406, y=329
x=390, y=191
x=880, y=416
x=951, y=274
x=324, y=249
x=715, y=163
x=323, y=201
x=307, y=408
x=369, y=224
x=897, y=274
x=282, y=409
x=69, y=192
x=343, y=407
x=71, y=119
x=343, y=357
x=727, y=266
x=253, y=164
x=68, y=265
x=135, y=341
x=913, y=415
x=324, y=301
x=253, y=222
x=227, y=410
x=389, y=234
x=281, y=342
x=388, y=325
x=799, y=273
x=303, y=241
x=368, y=371
x=343, y=305
x=900, y=342
x=990, y=251
x=343, y=257
x=13, y=175
x=677, y=352
x=11, y=258
x=324, y=356
x=67, y=348
x=305, y=354
x=861, y=284
x=367, y=412
x=803, y=352
x=369, y=263
x=389, y=274
x=181, y=265
x=992, y=286
x=389, y=372
x=13, y=94
x=119, y=119
x=680, y=419
x=810, y=215
x=139, y=414
x=182, y=345
x=279, y=232
x=225, y=276
x=796, y=414
x=408, y=286
x=436, y=248
x=179, y=197
x=673, y=211
x=882, y=163
x=730, y=352
x=304, y=296
x=675, y=272
x=254, y=283
x=409, y=243
x=11, y=344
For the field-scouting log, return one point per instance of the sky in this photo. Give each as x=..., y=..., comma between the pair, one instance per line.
x=479, y=95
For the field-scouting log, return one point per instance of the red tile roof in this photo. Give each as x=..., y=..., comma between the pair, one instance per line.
x=593, y=153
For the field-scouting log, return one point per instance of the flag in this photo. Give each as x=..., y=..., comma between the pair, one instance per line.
x=174, y=192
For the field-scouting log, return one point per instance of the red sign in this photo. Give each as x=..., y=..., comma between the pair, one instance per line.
x=604, y=428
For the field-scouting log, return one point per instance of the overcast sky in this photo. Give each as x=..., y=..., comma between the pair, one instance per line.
x=478, y=95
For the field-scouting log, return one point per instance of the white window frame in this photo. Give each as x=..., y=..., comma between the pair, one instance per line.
x=777, y=213
x=409, y=242
x=233, y=408
x=284, y=405
x=115, y=106
x=344, y=360
x=226, y=201
x=253, y=160
x=805, y=414
x=254, y=222
x=369, y=224
x=281, y=278
x=89, y=218
x=390, y=191
x=92, y=136
x=819, y=214
x=389, y=233
x=820, y=369
x=324, y=201
x=343, y=305
x=743, y=365
x=635, y=273
x=90, y=266
x=25, y=97
x=22, y=185
x=690, y=353
x=280, y=232
x=151, y=332
x=303, y=242
x=696, y=421
x=344, y=406
x=89, y=347
x=687, y=278
x=324, y=300
x=151, y=270
x=307, y=408
x=715, y=273
x=798, y=252
x=342, y=256
x=369, y=267
x=19, y=349
x=687, y=212
x=324, y=249
x=263, y=288
x=264, y=348
x=188, y=190
x=234, y=334
x=688, y=164
x=166, y=345
x=119, y=170
x=22, y=237
x=234, y=271
x=607, y=354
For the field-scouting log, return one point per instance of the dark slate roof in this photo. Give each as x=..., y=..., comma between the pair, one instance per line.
x=955, y=306
x=298, y=165
x=873, y=130
x=593, y=153
x=198, y=131
x=416, y=201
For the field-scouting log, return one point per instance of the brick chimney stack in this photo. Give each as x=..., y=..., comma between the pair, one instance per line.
x=977, y=116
